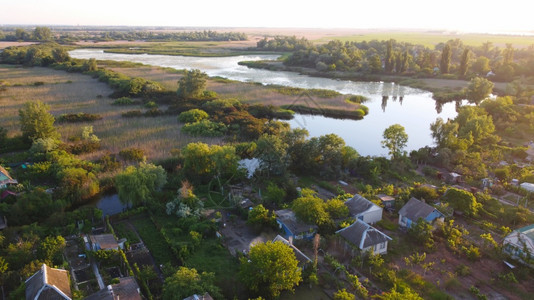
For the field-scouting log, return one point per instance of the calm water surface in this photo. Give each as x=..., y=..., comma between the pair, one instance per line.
x=389, y=103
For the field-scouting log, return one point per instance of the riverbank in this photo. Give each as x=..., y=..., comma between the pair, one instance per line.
x=434, y=85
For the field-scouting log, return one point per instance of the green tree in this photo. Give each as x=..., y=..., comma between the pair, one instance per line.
x=389, y=61
x=192, y=84
x=309, y=208
x=344, y=295
x=51, y=249
x=60, y=54
x=202, y=162
x=259, y=217
x=395, y=139
x=400, y=293
x=136, y=185
x=421, y=232
x=272, y=151
x=375, y=64
x=481, y=66
x=42, y=33
x=462, y=200
x=445, y=59
x=478, y=89
x=192, y=116
x=270, y=268
x=464, y=62
x=3, y=269
x=336, y=208
x=36, y=122
x=187, y=281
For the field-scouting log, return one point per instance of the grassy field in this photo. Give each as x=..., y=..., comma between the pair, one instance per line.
x=430, y=39
x=74, y=93
x=153, y=239
x=251, y=93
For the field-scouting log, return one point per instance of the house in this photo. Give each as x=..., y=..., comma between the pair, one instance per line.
x=293, y=228
x=387, y=201
x=5, y=179
x=527, y=186
x=363, y=209
x=103, y=242
x=301, y=257
x=454, y=178
x=48, y=283
x=126, y=289
x=415, y=210
x=520, y=243
x=206, y=296
x=364, y=237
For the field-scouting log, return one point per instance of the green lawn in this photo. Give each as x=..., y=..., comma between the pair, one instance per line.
x=154, y=240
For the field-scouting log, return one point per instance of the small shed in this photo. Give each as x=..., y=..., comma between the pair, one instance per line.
x=103, y=242
x=363, y=209
x=387, y=201
x=454, y=177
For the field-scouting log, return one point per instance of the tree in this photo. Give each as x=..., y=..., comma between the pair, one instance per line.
x=186, y=282
x=192, y=116
x=445, y=59
x=259, y=217
x=478, y=89
x=42, y=33
x=375, y=64
x=309, y=208
x=135, y=185
x=3, y=269
x=272, y=152
x=344, y=295
x=36, y=122
x=395, y=139
x=202, y=161
x=464, y=62
x=481, y=66
x=400, y=293
x=192, y=84
x=270, y=268
x=336, y=208
x=60, y=54
x=462, y=200
x=389, y=59
x=51, y=249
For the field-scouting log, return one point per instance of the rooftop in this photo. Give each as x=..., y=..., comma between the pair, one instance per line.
x=528, y=231
x=104, y=241
x=301, y=257
x=48, y=283
x=416, y=209
x=126, y=289
x=385, y=197
x=363, y=235
x=358, y=205
x=287, y=216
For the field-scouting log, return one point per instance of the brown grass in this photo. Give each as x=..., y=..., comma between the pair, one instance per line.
x=246, y=92
x=156, y=136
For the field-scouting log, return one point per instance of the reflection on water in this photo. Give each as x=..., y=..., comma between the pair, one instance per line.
x=110, y=205
x=415, y=108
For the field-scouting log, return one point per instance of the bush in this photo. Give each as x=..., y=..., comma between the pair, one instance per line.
x=359, y=113
x=205, y=128
x=357, y=99
x=463, y=270
x=132, y=154
x=124, y=101
x=79, y=117
x=84, y=147
x=132, y=114
x=153, y=112
x=192, y=116
x=151, y=104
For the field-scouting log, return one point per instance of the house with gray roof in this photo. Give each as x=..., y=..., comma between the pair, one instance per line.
x=364, y=210
x=520, y=244
x=206, y=296
x=416, y=209
x=48, y=283
x=301, y=257
x=294, y=229
x=126, y=289
x=103, y=242
x=364, y=238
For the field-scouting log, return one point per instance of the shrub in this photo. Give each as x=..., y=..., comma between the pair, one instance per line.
x=153, y=112
x=205, y=128
x=124, y=101
x=463, y=270
x=357, y=99
x=132, y=114
x=79, y=117
x=192, y=116
x=359, y=113
x=151, y=104
x=84, y=147
x=132, y=154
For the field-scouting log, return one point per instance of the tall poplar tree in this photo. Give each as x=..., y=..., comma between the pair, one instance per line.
x=445, y=59
x=464, y=62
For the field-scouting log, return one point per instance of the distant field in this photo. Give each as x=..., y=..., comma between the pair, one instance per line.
x=73, y=93
x=431, y=39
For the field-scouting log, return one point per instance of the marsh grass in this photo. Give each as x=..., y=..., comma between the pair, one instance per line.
x=156, y=136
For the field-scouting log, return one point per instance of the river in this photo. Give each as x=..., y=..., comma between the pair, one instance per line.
x=388, y=103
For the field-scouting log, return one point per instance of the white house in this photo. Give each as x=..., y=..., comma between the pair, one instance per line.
x=364, y=237
x=520, y=243
x=364, y=210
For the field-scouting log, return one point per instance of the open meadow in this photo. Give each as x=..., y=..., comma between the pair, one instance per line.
x=75, y=93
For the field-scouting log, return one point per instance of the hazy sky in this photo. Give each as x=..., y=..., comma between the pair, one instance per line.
x=469, y=15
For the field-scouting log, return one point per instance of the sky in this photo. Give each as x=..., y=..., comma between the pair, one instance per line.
x=459, y=15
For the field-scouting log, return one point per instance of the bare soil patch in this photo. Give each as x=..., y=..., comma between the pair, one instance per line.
x=4, y=44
